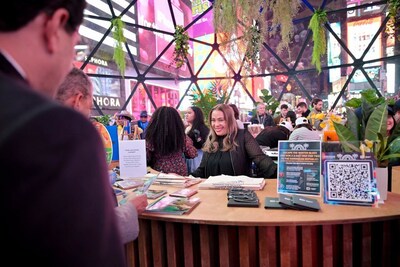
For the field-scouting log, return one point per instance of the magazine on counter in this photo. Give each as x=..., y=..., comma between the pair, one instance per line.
x=173, y=205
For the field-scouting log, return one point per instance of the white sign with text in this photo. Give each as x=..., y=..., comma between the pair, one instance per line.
x=132, y=158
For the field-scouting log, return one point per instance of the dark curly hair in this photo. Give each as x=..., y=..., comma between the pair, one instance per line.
x=166, y=132
x=16, y=14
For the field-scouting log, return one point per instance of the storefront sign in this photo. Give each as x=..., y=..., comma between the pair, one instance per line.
x=107, y=102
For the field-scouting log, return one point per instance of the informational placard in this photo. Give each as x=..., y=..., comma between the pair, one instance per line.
x=132, y=158
x=299, y=167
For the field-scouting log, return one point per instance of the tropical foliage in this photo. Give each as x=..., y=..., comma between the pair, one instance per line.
x=209, y=97
x=118, y=34
x=270, y=101
x=365, y=130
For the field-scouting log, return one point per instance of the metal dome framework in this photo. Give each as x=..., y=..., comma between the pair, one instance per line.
x=295, y=70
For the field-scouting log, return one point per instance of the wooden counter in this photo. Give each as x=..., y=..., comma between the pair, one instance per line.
x=216, y=235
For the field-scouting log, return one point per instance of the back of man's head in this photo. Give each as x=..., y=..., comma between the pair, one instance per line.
x=76, y=81
x=16, y=14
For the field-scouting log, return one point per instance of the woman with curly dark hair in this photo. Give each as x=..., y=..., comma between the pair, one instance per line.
x=231, y=151
x=198, y=132
x=166, y=142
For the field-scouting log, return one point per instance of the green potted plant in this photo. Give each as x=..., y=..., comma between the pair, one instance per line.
x=365, y=129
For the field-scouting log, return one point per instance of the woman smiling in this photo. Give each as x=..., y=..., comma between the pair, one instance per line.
x=231, y=151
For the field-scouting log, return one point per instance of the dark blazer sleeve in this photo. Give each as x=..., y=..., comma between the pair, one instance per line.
x=201, y=170
x=265, y=165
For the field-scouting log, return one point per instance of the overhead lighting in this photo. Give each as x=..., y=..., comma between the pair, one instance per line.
x=81, y=47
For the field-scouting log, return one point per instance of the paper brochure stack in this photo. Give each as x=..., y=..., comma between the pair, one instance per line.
x=228, y=181
x=176, y=180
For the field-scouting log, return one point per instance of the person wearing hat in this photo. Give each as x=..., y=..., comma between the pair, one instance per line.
x=123, y=119
x=143, y=123
x=304, y=131
x=270, y=136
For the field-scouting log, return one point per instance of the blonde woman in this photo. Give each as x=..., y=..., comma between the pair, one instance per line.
x=231, y=151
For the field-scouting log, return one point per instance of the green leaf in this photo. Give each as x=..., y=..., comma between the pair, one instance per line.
x=353, y=123
x=346, y=137
x=353, y=103
x=394, y=146
x=376, y=123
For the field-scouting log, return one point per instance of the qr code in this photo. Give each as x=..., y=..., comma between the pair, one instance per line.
x=349, y=181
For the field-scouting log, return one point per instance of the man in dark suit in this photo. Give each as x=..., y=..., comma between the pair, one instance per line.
x=57, y=205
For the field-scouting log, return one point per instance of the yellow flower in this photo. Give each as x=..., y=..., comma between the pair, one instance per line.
x=322, y=124
x=369, y=143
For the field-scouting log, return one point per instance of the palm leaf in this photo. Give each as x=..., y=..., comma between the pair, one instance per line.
x=346, y=137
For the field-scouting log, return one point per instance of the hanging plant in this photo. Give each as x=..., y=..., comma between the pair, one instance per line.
x=118, y=34
x=319, y=37
x=394, y=18
x=253, y=45
x=283, y=13
x=181, y=46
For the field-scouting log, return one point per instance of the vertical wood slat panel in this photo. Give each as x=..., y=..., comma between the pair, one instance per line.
x=130, y=257
x=268, y=246
x=224, y=247
x=145, y=240
x=366, y=250
x=205, y=246
x=188, y=243
x=172, y=245
x=157, y=244
x=288, y=246
x=247, y=246
x=327, y=246
x=347, y=248
x=309, y=246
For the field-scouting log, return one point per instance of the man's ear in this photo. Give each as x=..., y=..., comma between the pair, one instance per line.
x=53, y=28
x=77, y=100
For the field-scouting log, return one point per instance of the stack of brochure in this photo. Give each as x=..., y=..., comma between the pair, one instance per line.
x=176, y=180
x=228, y=181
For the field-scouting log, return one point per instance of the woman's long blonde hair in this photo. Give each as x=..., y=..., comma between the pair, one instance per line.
x=228, y=143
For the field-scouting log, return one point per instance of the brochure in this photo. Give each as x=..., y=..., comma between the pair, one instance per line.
x=228, y=181
x=173, y=205
x=186, y=192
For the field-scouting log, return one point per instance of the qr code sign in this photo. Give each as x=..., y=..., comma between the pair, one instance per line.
x=349, y=181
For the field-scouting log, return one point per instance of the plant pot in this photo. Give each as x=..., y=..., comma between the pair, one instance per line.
x=382, y=181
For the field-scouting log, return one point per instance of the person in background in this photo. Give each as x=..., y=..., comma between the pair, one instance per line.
x=236, y=114
x=166, y=142
x=143, y=123
x=231, y=151
x=57, y=205
x=302, y=110
x=317, y=109
x=198, y=132
x=396, y=110
x=391, y=122
x=262, y=117
x=270, y=136
x=77, y=92
x=304, y=131
x=285, y=115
